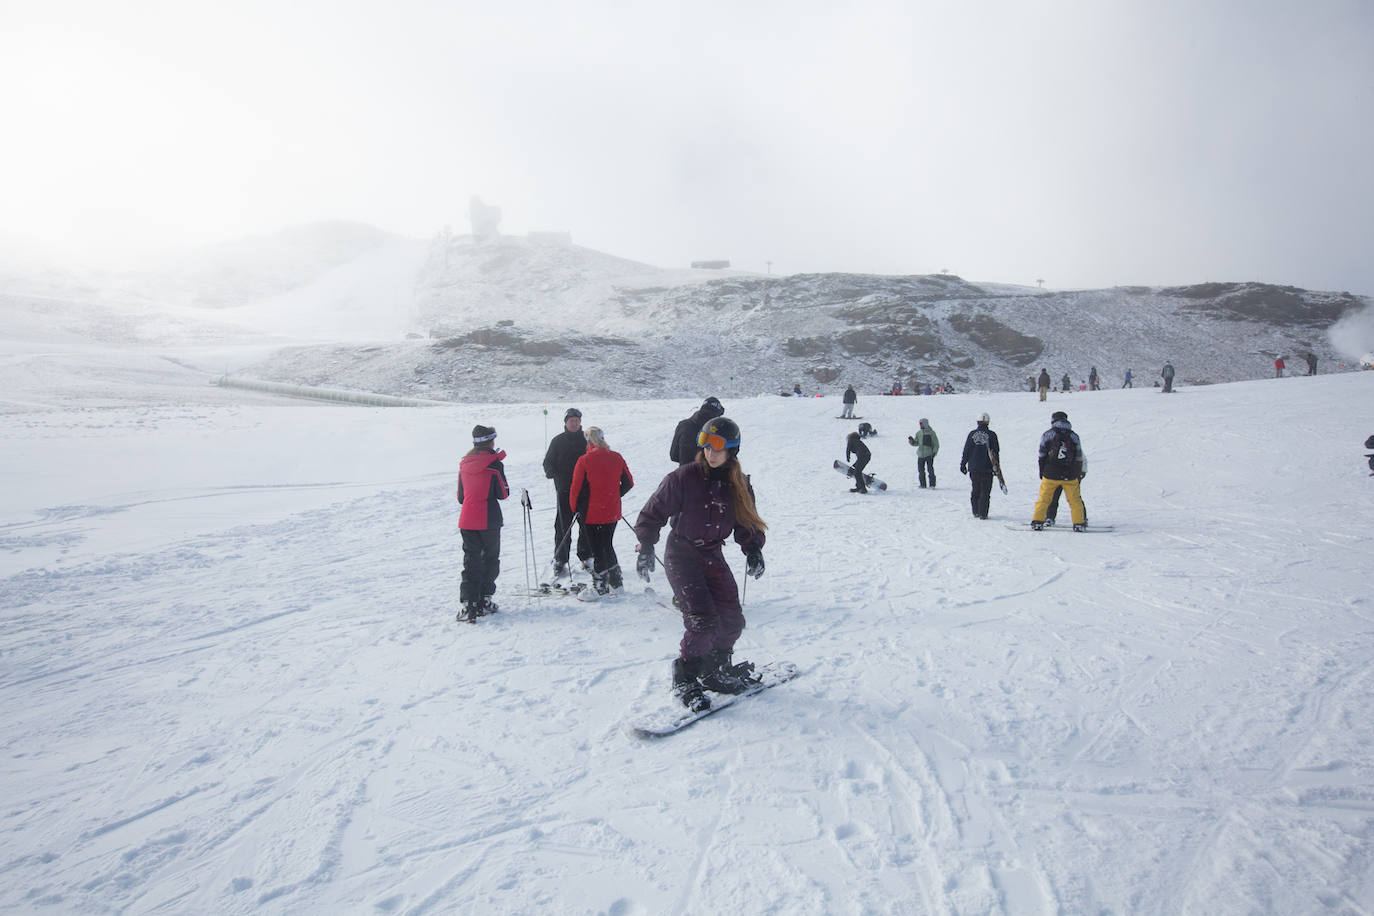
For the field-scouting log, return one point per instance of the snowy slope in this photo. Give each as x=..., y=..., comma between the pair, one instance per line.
x=231, y=679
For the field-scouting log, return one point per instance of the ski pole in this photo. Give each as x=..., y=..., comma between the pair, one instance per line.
x=525, y=532
x=564, y=539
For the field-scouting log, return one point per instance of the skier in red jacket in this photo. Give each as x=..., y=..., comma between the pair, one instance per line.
x=599, y=479
x=481, y=483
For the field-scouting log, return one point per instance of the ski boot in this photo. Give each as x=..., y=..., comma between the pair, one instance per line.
x=561, y=572
x=1049, y=523
x=1081, y=526
x=685, y=686
x=1037, y=526
x=470, y=611
x=489, y=606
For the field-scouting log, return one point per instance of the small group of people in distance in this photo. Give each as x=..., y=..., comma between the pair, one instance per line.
x=705, y=501
x=1062, y=462
x=1280, y=365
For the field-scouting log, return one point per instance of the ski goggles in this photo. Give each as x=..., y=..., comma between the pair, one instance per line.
x=715, y=442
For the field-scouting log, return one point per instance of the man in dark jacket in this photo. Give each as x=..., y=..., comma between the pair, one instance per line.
x=1062, y=465
x=981, y=452
x=854, y=446
x=684, y=447
x=851, y=398
x=1043, y=382
x=1167, y=373
x=559, y=461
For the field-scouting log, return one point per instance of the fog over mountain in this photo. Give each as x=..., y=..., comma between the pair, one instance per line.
x=519, y=318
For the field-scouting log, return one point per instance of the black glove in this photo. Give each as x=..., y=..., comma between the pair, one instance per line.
x=644, y=564
x=963, y=469
x=911, y=440
x=754, y=556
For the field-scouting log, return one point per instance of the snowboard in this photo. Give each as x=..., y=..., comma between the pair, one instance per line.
x=849, y=418
x=1091, y=529
x=869, y=479
x=657, y=723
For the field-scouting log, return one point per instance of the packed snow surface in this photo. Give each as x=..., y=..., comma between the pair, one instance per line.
x=231, y=679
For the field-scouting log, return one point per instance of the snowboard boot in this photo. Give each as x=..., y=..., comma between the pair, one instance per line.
x=470, y=612
x=489, y=606
x=742, y=670
x=685, y=686
x=1037, y=526
x=719, y=675
x=1081, y=526
x=1049, y=523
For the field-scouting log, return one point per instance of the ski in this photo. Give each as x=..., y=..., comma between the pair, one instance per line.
x=869, y=479
x=674, y=717
x=1091, y=529
x=849, y=418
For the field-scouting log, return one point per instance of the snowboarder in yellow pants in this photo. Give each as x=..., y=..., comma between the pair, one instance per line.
x=1062, y=464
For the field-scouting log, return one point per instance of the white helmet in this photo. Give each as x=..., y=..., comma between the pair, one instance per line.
x=985, y=418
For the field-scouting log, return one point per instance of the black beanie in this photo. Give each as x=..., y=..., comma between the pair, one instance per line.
x=1058, y=415
x=482, y=434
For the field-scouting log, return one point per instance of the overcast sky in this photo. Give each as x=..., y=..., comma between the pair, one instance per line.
x=1091, y=143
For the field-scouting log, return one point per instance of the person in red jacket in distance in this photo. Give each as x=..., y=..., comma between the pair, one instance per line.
x=599, y=479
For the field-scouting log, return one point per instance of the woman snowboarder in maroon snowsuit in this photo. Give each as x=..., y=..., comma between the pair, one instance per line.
x=707, y=501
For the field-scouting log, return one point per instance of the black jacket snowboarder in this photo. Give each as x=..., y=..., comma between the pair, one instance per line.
x=854, y=446
x=684, y=447
x=851, y=397
x=982, y=454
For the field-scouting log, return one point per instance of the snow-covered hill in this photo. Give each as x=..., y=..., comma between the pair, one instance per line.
x=510, y=318
x=231, y=680
x=505, y=319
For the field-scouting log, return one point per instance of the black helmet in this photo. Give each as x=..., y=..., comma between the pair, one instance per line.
x=723, y=430
x=712, y=407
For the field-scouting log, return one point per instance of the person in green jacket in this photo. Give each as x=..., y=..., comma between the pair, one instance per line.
x=927, y=447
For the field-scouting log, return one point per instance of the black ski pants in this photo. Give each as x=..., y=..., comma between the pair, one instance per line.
x=857, y=472
x=605, y=563
x=481, y=564
x=926, y=466
x=982, y=492
x=562, y=522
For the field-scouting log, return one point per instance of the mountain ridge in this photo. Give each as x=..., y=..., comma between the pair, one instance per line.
x=508, y=318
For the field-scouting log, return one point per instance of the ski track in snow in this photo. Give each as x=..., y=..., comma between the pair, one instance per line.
x=233, y=681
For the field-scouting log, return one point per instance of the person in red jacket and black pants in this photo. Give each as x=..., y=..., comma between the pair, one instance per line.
x=599, y=479
x=481, y=484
